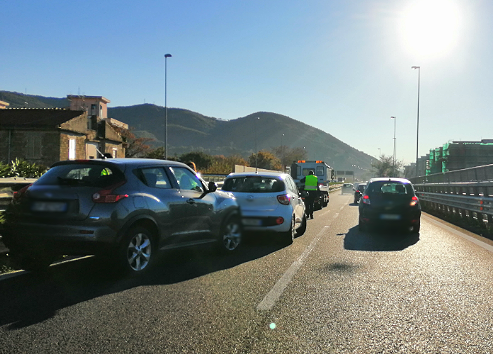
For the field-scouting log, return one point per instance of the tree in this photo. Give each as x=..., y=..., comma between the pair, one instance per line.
x=136, y=147
x=202, y=160
x=286, y=155
x=224, y=165
x=385, y=167
x=266, y=160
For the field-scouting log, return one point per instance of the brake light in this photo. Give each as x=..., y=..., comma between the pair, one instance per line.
x=107, y=196
x=366, y=199
x=284, y=199
x=279, y=220
x=414, y=201
x=17, y=195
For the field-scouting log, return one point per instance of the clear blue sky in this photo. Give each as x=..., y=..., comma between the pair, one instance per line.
x=341, y=66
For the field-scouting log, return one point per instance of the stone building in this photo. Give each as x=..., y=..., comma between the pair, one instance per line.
x=45, y=136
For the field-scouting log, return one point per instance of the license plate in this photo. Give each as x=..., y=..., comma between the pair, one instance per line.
x=252, y=222
x=390, y=217
x=49, y=206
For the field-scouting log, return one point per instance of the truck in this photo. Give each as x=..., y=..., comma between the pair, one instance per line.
x=324, y=173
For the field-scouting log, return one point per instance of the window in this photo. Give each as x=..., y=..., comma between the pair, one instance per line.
x=92, y=175
x=114, y=153
x=155, y=178
x=33, y=145
x=253, y=184
x=320, y=171
x=71, y=149
x=186, y=179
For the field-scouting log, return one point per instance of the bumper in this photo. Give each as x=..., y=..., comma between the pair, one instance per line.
x=59, y=239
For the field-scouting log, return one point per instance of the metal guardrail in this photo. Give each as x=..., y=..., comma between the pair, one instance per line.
x=466, y=199
x=9, y=185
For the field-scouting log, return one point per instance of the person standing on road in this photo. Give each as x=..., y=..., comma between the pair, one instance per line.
x=311, y=186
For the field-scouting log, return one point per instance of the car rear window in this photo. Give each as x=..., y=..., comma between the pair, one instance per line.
x=390, y=188
x=253, y=184
x=91, y=175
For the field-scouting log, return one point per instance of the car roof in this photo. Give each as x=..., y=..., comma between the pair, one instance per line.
x=122, y=162
x=389, y=179
x=259, y=174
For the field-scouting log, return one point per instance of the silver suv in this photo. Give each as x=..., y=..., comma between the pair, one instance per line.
x=125, y=209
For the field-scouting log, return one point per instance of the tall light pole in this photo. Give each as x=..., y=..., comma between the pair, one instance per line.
x=282, y=153
x=166, y=56
x=417, y=120
x=256, y=150
x=395, y=120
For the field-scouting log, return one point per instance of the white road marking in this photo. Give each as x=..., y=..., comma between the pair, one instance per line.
x=275, y=293
x=461, y=234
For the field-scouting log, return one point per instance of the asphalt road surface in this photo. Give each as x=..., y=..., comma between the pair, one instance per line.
x=335, y=290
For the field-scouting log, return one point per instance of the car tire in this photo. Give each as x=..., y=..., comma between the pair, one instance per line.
x=287, y=237
x=301, y=230
x=137, y=251
x=231, y=234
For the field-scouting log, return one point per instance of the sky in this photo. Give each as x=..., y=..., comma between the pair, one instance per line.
x=343, y=66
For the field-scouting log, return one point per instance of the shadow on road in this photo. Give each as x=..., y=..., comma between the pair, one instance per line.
x=32, y=298
x=379, y=240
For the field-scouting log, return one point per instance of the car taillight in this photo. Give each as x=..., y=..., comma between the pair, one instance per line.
x=366, y=199
x=107, y=196
x=414, y=201
x=284, y=199
x=17, y=195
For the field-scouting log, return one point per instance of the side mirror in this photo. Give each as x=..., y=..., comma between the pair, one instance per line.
x=211, y=186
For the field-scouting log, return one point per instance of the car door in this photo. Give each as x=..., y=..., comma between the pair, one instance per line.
x=199, y=205
x=166, y=203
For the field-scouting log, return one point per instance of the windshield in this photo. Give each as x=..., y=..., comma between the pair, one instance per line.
x=92, y=175
x=390, y=188
x=253, y=184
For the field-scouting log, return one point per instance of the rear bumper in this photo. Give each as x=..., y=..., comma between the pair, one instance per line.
x=408, y=218
x=59, y=239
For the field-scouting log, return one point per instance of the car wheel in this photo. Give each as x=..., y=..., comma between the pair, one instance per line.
x=301, y=230
x=231, y=234
x=288, y=236
x=137, y=251
x=326, y=201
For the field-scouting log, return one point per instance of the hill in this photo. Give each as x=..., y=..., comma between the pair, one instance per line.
x=191, y=131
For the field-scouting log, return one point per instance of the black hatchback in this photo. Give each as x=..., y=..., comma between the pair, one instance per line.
x=390, y=201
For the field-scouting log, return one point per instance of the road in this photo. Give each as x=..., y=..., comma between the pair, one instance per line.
x=335, y=290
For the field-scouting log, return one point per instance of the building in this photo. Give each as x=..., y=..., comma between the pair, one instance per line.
x=455, y=155
x=45, y=136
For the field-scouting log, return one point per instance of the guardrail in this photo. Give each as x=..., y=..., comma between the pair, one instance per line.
x=9, y=185
x=467, y=200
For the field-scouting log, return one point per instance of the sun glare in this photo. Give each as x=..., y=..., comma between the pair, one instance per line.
x=431, y=27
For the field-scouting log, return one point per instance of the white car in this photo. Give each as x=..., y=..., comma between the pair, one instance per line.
x=269, y=201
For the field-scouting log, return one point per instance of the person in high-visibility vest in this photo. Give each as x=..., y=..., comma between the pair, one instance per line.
x=310, y=186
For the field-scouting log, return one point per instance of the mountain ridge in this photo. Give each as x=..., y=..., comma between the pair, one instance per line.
x=192, y=131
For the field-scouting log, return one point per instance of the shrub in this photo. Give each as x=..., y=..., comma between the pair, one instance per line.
x=21, y=168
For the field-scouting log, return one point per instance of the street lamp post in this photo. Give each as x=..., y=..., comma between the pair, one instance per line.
x=166, y=56
x=282, y=153
x=256, y=150
x=395, y=120
x=417, y=120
